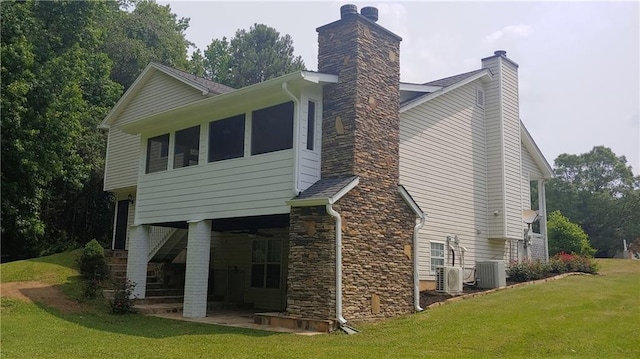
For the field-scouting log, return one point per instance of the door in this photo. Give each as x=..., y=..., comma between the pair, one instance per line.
x=122, y=215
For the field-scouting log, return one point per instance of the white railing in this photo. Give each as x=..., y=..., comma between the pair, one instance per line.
x=158, y=236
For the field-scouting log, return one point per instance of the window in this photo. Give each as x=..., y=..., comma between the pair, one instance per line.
x=157, y=153
x=437, y=255
x=265, y=263
x=187, y=147
x=226, y=138
x=311, y=125
x=272, y=129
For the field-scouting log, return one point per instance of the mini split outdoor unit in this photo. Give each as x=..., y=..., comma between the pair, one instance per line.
x=490, y=274
x=449, y=280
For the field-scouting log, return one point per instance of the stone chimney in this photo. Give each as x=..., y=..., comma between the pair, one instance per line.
x=360, y=137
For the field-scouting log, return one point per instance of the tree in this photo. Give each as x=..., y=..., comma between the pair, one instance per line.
x=148, y=33
x=56, y=88
x=565, y=236
x=251, y=57
x=597, y=189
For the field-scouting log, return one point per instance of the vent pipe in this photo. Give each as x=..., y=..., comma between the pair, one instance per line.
x=370, y=13
x=348, y=10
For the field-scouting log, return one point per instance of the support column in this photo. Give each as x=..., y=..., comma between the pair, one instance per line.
x=137, y=259
x=197, y=271
x=542, y=212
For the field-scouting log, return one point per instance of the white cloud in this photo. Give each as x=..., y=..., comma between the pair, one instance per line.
x=510, y=30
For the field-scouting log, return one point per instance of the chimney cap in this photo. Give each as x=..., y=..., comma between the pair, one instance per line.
x=370, y=13
x=500, y=53
x=348, y=10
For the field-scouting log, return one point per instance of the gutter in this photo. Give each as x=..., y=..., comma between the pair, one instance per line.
x=296, y=133
x=336, y=215
x=416, y=271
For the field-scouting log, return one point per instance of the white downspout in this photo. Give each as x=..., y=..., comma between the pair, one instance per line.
x=336, y=215
x=296, y=137
x=416, y=270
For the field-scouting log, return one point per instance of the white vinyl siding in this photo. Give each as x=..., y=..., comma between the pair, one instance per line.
x=255, y=185
x=503, y=150
x=512, y=145
x=309, y=160
x=443, y=166
x=121, y=164
x=160, y=93
x=530, y=172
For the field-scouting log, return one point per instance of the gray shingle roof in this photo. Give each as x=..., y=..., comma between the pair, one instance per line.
x=325, y=188
x=212, y=86
x=448, y=81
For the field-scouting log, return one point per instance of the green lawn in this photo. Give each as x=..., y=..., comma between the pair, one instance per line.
x=578, y=316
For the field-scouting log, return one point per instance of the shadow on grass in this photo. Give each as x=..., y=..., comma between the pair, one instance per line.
x=64, y=259
x=95, y=314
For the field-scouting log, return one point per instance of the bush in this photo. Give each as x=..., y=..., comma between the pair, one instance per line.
x=93, y=265
x=560, y=263
x=122, y=301
x=565, y=236
x=566, y=262
x=528, y=270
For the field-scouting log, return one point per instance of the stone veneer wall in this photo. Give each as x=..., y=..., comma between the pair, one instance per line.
x=361, y=137
x=311, y=290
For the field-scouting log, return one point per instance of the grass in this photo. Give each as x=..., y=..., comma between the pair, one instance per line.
x=578, y=316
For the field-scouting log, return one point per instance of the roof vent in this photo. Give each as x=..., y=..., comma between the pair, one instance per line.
x=500, y=53
x=370, y=13
x=348, y=10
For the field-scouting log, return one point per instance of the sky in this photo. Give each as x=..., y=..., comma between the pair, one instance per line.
x=579, y=73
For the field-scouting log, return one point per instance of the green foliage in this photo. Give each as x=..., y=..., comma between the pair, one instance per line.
x=598, y=191
x=92, y=263
x=565, y=236
x=566, y=262
x=64, y=66
x=122, y=301
x=529, y=270
x=249, y=57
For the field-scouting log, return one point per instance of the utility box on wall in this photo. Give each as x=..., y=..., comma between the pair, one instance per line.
x=491, y=274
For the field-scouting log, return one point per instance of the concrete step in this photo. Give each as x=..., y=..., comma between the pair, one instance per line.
x=163, y=308
x=115, y=253
x=276, y=319
x=161, y=299
x=162, y=292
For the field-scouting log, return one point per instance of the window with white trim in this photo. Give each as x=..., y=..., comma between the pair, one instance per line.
x=437, y=255
x=266, y=259
x=186, y=149
x=157, y=153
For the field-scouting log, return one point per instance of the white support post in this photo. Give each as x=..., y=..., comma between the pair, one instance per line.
x=542, y=212
x=137, y=259
x=197, y=271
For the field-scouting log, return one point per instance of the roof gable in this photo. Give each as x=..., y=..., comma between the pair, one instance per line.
x=534, y=151
x=447, y=84
x=190, y=87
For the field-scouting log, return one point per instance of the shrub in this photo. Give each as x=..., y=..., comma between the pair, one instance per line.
x=528, y=270
x=565, y=236
x=123, y=301
x=93, y=265
x=566, y=262
x=560, y=263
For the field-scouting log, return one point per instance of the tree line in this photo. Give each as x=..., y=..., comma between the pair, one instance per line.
x=66, y=63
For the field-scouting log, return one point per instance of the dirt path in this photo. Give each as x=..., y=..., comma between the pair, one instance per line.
x=42, y=293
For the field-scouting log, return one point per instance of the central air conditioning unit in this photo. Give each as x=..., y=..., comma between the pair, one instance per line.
x=449, y=280
x=491, y=274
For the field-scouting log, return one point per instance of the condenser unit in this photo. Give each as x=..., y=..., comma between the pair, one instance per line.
x=490, y=274
x=449, y=280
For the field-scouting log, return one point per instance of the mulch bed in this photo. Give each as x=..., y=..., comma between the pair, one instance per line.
x=429, y=297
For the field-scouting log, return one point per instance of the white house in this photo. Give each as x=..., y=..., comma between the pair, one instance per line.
x=285, y=193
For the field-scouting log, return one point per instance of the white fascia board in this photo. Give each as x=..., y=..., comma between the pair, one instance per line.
x=411, y=202
x=484, y=76
x=405, y=86
x=351, y=185
x=535, y=152
x=319, y=77
x=274, y=84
